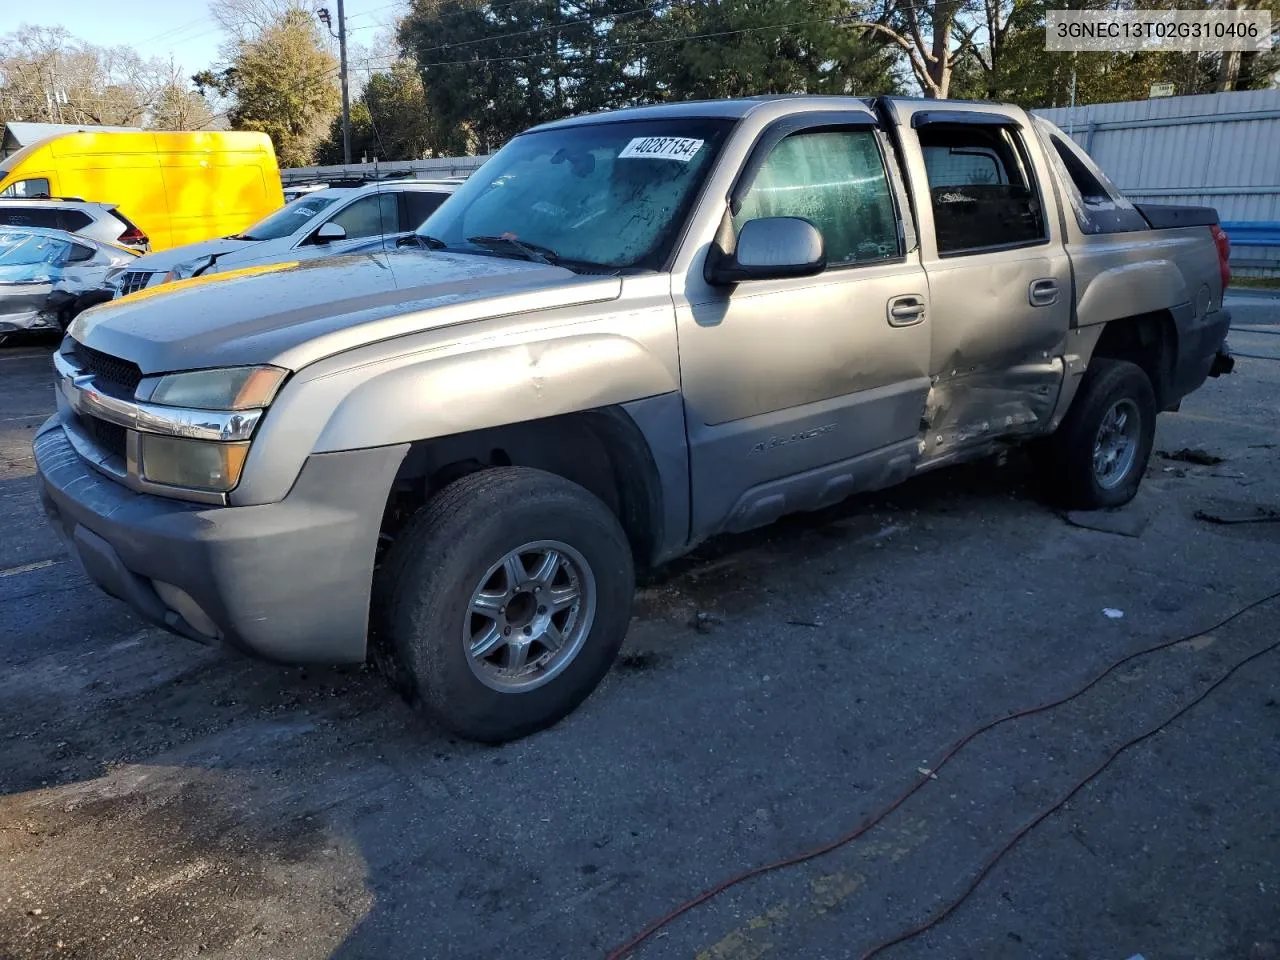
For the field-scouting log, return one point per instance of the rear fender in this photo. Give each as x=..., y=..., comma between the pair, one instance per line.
x=1131, y=289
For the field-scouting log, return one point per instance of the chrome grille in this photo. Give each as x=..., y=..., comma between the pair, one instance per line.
x=109, y=373
x=135, y=280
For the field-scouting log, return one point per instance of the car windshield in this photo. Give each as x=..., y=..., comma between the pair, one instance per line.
x=287, y=219
x=603, y=195
x=26, y=249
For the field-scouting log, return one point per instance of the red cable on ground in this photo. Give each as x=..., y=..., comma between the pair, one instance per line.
x=619, y=952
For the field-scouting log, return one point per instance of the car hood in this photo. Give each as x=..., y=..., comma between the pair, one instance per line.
x=166, y=260
x=293, y=314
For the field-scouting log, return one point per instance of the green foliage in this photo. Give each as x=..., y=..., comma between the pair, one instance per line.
x=492, y=70
x=284, y=83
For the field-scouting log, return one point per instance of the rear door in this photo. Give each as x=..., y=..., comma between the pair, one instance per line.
x=998, y=272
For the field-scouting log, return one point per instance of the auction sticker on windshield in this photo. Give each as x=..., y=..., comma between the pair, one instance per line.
x=661, y=148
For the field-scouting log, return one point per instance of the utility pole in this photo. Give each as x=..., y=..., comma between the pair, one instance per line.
x=323, y=14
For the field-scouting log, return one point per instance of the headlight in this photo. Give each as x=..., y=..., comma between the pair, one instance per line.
x=193, y=464
x=231, y=388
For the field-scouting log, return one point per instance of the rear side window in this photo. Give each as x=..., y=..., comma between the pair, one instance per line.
x=73, y=220
x=79, y=253
x=836, y=180
x=34, y=187
x=983, y=193
x=22, y=217
x=418, y=205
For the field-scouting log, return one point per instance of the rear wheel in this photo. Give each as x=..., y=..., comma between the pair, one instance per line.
x=1099, y=454
x=505, y=601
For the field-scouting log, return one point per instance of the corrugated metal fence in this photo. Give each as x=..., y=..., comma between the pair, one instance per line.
x=1219, y=150
x=437, y=168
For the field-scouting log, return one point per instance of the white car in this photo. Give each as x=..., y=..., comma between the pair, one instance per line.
x=319, y=224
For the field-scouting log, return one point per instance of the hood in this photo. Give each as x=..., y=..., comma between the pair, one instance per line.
x=166, y=260
x=293, y=314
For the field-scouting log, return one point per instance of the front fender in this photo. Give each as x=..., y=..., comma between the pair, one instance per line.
x=447, y=384
x=493, y=388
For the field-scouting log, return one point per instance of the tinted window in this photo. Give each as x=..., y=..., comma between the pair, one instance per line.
x=981, y=186
x=287, y=220
x=835, y=180
x=74, y=220
x=35, y=187
x=420, y=204
x=602, y=194
x=79, y=253
x=24, y=217
x=369, y=216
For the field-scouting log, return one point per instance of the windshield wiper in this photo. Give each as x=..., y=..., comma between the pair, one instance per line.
x=422, y=240
x=529, y=251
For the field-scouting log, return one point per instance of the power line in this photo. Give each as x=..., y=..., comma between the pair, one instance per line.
x=541, y=29
x=644, y=43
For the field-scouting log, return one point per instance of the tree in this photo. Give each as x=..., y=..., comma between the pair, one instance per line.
x=284, y=82
x=48, y=75
x=802, y=46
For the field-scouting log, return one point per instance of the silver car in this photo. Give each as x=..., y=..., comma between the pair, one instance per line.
x=98, y=221
x=321, y=223
x=49, y=276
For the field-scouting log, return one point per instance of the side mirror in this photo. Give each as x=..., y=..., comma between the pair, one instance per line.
x=329, y=232
x=771, y=248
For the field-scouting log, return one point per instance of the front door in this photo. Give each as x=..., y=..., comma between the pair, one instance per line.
x=801, y=391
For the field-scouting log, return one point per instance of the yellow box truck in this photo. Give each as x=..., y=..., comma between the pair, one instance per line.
x=177, y=187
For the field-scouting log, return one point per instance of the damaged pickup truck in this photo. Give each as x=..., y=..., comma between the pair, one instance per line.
x=625, y=334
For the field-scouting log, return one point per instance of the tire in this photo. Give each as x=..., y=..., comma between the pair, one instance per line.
x=452, y=553
x=1086, y=467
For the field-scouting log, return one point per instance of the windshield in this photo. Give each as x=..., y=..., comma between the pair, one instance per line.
x=608, y=194
x=287, y=219
x=26, y=249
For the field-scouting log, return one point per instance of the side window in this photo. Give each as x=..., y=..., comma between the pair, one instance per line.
x=836, y=180
x=47, y=219
x=1091, y=191
x=73, y=220
x=34, y=187
x=79, y=253
x=982, y=189
x=420, y=204
x=369, y=216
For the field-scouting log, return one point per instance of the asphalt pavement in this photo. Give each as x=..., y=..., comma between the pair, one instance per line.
x=161, y=799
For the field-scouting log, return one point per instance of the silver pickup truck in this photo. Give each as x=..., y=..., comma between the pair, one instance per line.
x=627, y=333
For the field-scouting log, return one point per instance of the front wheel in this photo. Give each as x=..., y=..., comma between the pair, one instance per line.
x=506, y=599
x=1099, y=454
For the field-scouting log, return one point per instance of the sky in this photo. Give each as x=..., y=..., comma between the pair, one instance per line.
x=181, y=28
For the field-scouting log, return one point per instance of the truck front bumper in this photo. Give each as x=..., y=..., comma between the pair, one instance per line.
x=287, y=581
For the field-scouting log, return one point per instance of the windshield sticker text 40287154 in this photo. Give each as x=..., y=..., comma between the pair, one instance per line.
x=661, y=148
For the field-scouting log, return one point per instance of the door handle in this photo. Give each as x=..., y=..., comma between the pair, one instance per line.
x=1043, y=293
x=905, y=311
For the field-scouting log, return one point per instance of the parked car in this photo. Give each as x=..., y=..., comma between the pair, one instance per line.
x=98, y=221
x=49, y=276
x=628, y=333
x=318, y=224
x=178, y=187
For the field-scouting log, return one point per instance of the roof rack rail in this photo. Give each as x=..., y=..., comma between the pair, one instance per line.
x=45, y=196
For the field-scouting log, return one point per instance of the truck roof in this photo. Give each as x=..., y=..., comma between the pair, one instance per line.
x=741, y=106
